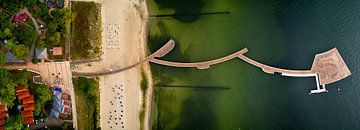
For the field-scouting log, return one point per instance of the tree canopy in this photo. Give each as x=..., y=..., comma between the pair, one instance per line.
x=29, y=3
x=28, y=36
x=40, y=44
x=21, y=77
x=3, y=57
x=87, y=86
x=14, y=122
x=20, y=51
x=42, y=95
x=7, y=88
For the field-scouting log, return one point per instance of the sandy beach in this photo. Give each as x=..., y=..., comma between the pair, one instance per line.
x=124, y=43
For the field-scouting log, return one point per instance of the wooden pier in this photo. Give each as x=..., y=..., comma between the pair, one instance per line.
x=328, y=67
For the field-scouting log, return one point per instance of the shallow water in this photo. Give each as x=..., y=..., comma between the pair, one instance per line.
x=280, y=33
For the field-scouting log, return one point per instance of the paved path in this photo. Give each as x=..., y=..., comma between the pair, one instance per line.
x=48, y=123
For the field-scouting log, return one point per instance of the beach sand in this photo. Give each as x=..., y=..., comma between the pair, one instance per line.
x=124, y=43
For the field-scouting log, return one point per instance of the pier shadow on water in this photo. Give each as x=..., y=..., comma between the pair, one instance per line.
x=183, y=7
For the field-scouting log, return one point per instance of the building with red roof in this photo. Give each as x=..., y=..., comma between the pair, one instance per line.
x=64, y=96
x=27, y=114
x=66, y=110
x=57, y=51
x=29, y=107
x=28, y=121
x=24, y=96
x=28, y=100
x=3, y=108
x=66, y=102
x=3, y=116
x=20, y=93
x=19, y=90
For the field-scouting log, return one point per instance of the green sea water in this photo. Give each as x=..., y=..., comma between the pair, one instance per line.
x=280, y=33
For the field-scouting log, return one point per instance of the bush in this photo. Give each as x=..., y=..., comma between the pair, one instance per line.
x=35, y=61
x=3, y=57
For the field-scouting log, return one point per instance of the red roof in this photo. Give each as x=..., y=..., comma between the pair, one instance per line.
x=28, y=100
x=26, y=114
x=30, y=107
x=25, y=105
x=64, y=96
x=67, y=110
x=29, y=120
x=3, y=108
x=23, y=96
x=3, y=115
x=2, y=122
x=17, y=94
x=57, y=51
x=67, y=102
x=18, y=90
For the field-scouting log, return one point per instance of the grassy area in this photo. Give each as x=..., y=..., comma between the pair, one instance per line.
x=87, y=103
x=144, y=87
x=86, y=33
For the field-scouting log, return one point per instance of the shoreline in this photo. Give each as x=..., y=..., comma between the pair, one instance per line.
x=147, y=69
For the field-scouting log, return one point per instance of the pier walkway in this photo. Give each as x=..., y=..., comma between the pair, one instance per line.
x=159, y=53
x=328, y=67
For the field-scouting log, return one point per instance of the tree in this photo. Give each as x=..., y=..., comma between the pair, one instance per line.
x=28, y=36
x=42, y=95
x=57, y=36
x=21, y=77
x=7, y=32
x=29, y=3
x=54, y=38
x=7, y=88
x=40, y=44
x=14, y=122
x=20, y=51
x=52, y=26
x=3, y=57
x=10, y=45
